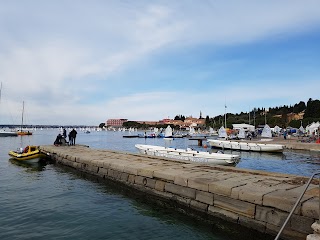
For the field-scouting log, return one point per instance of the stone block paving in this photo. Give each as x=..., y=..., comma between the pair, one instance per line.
x=258, y=199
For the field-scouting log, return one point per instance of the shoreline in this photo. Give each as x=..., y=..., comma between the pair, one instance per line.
x=294, y=143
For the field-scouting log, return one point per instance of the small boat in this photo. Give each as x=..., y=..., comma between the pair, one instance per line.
x=23, y=133
x=130, y=136
x=29, y=153
x=189, y=155
x=168, y=132
x=246, y=146
x=7, y=134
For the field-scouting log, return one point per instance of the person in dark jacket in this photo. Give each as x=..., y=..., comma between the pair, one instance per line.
x=58, y=140
x=70, y=138
x=64, y=133
x=73, y=135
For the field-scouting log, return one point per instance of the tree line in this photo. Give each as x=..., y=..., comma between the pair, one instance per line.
x=272, y=116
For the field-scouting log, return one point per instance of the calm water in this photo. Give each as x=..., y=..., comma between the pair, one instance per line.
x=52, y=202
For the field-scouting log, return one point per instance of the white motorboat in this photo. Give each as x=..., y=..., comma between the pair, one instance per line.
x=246, y=146
x=189, y=155
x=8, y=134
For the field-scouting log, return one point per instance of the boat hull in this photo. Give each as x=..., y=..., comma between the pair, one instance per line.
x=32, y=155
x=246, y=146
x=189, y=155
x=20, y=133
x=8, y=134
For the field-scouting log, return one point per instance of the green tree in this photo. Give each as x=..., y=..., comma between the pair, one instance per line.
x=132, y=124
x=313, y=109
x=180, y=117
x=299, y=107
x=207, y=122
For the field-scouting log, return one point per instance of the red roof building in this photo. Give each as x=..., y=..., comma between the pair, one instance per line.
x=116, y=122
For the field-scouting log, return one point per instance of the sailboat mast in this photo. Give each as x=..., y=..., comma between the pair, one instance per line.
x=22, y=115
x=225, y=114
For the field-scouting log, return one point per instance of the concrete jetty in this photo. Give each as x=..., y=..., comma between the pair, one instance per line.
x=253, y=199
x=295, y=143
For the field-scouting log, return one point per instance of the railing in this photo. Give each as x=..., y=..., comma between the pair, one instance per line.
x=296, y=204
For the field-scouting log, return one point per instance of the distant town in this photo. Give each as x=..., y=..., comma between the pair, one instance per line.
x=299, y=114
x=187, y=122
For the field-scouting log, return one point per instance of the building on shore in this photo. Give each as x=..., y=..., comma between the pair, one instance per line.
x=246, y=127
x=148, y=122
x=118, y=122
x=189, y=121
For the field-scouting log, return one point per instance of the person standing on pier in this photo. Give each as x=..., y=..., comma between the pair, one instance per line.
x=64, y=133
x=73, y=135
x=70, y=138
x=285, y=134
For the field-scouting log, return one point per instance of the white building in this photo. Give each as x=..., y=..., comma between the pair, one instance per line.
x=313, y=128
x=246, y=127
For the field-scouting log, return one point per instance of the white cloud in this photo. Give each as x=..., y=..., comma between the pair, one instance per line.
x=50, y=53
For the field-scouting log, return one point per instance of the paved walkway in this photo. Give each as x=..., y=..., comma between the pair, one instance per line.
x=296, y=143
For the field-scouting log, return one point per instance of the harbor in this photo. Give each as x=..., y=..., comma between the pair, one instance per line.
x=253, y=199
x=56, y=181
x=158, y=120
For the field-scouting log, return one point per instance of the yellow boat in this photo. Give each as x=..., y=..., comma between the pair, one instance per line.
x=23, y=133
x=29, y=153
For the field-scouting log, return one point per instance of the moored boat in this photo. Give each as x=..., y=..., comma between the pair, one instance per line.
x=246, y=146
x=189, y=155
x=168, y=132
x=29, y=153
x=23, y=133
x=7, y=134
x=130, y=136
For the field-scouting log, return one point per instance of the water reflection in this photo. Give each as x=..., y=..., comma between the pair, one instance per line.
x=263, y=155
x=155, y=215
x=31, y=166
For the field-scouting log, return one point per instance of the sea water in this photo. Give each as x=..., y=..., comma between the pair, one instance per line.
x=47, y=201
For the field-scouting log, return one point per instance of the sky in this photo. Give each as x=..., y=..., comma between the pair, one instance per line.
x=83, y=62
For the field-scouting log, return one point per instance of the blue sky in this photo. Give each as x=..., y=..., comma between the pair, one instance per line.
x=82, y=62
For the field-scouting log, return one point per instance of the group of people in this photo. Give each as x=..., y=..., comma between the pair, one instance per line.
x=61, y=139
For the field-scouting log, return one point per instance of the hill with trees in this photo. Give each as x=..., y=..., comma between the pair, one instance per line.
x=283, y=116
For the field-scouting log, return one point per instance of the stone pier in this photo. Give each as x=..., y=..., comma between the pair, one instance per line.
x=253, y=199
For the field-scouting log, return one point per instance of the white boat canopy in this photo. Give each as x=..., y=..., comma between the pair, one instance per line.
x=302, y=130
x=266, y=132
x=242, y=134
x=277, y=129
x=222, y=132
x=168, y=132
